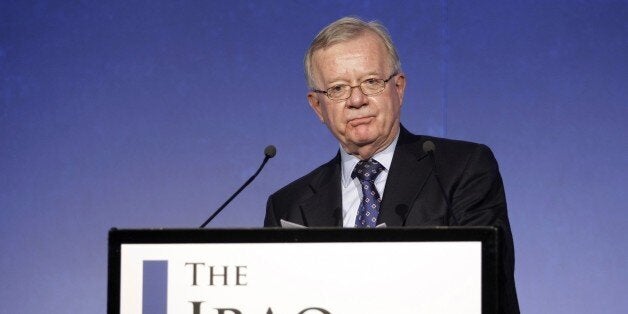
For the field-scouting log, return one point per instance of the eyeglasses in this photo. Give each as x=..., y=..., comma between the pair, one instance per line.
x=369, y=87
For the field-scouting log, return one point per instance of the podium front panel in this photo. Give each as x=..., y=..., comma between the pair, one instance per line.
x=309, y=271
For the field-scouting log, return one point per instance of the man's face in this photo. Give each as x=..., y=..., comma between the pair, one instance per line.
x=364, y=125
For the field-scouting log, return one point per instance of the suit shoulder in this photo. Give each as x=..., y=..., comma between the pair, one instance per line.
x=456, y=154
x=457, y=148
x=446, y=144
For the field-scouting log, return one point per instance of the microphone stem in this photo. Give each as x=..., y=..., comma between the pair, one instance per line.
x=236, y=193
x=442, y=190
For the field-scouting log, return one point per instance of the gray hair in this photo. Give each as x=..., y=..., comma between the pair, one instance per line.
x=343, y=30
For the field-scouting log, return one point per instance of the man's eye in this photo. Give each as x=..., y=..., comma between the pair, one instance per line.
x=335, y=89
x=371, y=81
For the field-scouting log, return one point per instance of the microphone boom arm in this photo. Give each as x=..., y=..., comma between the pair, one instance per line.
x=267, y=156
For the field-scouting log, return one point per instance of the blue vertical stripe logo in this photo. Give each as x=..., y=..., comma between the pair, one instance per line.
x=155, y=287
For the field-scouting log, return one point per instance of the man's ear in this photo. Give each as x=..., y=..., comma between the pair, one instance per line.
x=400, y=85
x=316, y=105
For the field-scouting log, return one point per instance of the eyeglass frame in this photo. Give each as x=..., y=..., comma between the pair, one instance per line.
x=359, y=86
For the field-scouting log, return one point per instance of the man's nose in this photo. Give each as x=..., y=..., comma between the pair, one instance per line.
x=356, y=98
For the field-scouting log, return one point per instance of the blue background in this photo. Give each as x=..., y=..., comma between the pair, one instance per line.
x=140, y=114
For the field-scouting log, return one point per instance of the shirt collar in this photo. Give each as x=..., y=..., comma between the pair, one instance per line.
x=348, y=161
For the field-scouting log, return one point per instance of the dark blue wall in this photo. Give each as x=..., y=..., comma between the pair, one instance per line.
x=150, y=113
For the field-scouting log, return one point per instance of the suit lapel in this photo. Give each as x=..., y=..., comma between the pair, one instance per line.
x=409, y=171
x=324, y=207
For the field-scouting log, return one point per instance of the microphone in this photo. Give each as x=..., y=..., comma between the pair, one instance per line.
x=269, y=152
x=429, y=148
x=402, y=210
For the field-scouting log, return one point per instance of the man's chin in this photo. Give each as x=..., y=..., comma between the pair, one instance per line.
x=362, y=135
x=356, y=143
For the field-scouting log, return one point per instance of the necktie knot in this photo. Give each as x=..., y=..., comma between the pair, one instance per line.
x=367, y=170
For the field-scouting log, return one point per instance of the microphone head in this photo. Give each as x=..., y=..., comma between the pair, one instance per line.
x=270, y=151
x=428, y=146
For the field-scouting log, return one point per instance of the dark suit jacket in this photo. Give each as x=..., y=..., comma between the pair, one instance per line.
x=468, y=172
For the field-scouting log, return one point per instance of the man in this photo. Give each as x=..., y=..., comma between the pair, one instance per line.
x=383, y=173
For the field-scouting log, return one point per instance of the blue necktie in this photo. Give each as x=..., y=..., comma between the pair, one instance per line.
x=366, y=171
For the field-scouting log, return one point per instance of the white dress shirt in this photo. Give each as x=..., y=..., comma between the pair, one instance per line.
x=351, y=188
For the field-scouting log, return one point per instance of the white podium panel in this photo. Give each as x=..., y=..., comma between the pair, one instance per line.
x=308, y=271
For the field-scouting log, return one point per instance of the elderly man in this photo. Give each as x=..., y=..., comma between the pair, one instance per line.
x=383, y=173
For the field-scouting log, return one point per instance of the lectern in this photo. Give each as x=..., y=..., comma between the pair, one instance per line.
x=440, y=270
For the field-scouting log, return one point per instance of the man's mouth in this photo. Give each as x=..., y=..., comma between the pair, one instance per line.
x=359, y=121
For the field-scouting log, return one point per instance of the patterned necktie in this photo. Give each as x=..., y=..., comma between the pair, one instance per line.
x=366, y=171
